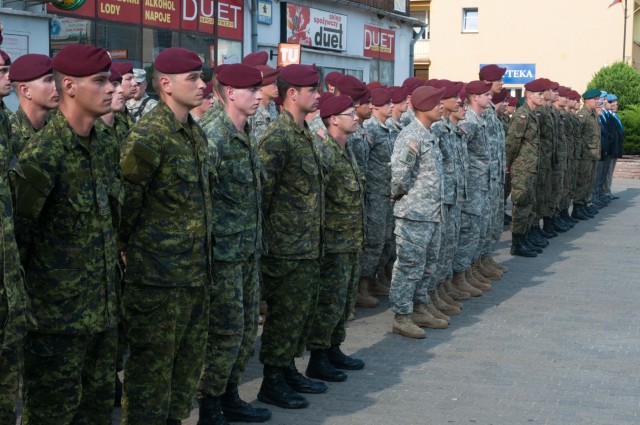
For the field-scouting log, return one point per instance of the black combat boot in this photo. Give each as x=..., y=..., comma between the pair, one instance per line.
x=565, y=214
x=210, y=411
x=540, y=232
x=117, y=395
x=237, y=410
x=535, y=236
x=529, y=243
x=577, y=213
x=519, y=248
x=275, y=390
x=548, y=227
x=340, y=360
x=558, y=225
x=320, y=368
x=301, y=383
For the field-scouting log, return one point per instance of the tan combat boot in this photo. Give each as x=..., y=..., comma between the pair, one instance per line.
x=364, y=299
x=478, y=276
x=497, y=265
x=403, y=325
x=471, y=280
x=460, y=283
x=442, y=305
x=437, y=313
x=376, y=288
x=423, y=318
x=444, y=296
x=488, y=272
x=489, y=265
x=454, y=292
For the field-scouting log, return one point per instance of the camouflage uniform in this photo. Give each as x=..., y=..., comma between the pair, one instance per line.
x=317, y=129
x=344, y=238
x=66, y=191
x=506, y=120
x=407, y=117
x=133, y=106
x=259, y=122
x=416, y=184
x=21, y=130
x=559, y=161
x=589, y=134
x=166, y=236
x=523, y=150
x=472, y=221
x=377, y=193
x=548, y=143
x=572, y=127
x=496, y=140
x=237, y=227
x=292, y=243
x=14, y=304
x=359, y=143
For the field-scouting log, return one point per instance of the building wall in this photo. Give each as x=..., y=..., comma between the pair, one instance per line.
x=567, y=40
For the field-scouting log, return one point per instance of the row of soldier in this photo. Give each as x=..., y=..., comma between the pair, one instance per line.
x=362, y=191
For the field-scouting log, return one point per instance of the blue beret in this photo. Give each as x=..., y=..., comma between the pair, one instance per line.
x=591, y=94
x=612, y=98
x=603, y=93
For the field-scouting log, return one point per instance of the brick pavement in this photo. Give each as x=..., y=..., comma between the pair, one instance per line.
x=555, y=342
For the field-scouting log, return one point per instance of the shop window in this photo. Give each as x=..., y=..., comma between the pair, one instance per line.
x=124, y=42
x=229, y=51
x=65, y=30
x=381, y=71
x=156, y=40
x=358, y=73
x=201, y=44
x=470, y=20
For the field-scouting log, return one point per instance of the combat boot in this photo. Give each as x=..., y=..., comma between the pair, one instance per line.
x=442, y=305
x=558, y=225
x=460, y=283
x=210, y=411
x=471, y=280
x=275, y=390
x=320, y=368
x=507, y=219
x=488, y=272
x=478, y=276
x=237, y=410
x=444, y=296
x=489, y=259
x=376, y=288
x=117, y=395
x=520, y=249
x=422, y=317
x=565, y=214
x=577, y=214
x=454, y=292
x=364, y=299
x=535, y=238
x=547, y=226
x=538, y=231
x=340, y=360
x=403, y=325
x=532, y=243
x=565, y=222
x=301, y=383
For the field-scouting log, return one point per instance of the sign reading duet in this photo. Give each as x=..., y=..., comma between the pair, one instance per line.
x=379, y=43
x=314, y=27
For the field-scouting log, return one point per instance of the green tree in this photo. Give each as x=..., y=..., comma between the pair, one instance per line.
x=630, y=118
x=620, y=79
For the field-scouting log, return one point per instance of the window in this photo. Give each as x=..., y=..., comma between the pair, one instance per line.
x=470, y=20
x=423, y=16
x=381, y=71
x=400, y=6
x=122, y=41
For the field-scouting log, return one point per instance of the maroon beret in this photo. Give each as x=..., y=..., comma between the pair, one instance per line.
x=576, y=96
x=380, y=96
x=123, y=67
x=564, y=91
x=324, y=96
x=269, y=75
x=553, y=85
x=537, y=85
x=30, y=67
x=413, y=83
x=351, y=86
x=177, y=60
x=491, y=72
x=114, y=74
x=335, y=105
x=477, y=87
x=219, y=68
x=332, y=77
x=300, y=75
x=426, y=98
x=6, y=59
x=374, y=84
x=81, y=60
x=512, y=101
x=240, y=76
x=500, y=96
x=208, y=89
x=256, y=58
x=277, y=101
x=398, y=94
x=452, y=89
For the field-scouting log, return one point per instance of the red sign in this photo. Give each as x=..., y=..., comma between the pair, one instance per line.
x=197, y=15
x=119, y=53
x=379, y=43
x=231, y=19
x=87, y=10
x=161, y=13
x=287, y=54
x=122, y=11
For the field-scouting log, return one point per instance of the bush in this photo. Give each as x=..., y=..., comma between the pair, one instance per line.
x=630, y=118
x=621, y=80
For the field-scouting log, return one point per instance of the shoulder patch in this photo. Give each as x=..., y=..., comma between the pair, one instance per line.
x=321, y=133
x=413, y=146
x=523, y=117
x=581, y=116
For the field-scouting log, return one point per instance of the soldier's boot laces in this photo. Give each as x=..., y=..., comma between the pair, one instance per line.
x=403, y=325
x=460, y=282
x=237, y=410
x=469, y=276
x=301, y=383
x=210, y=412
x=364, y=299
x=519, y=248
x=376, y=287
x=443, y=306
x=275, y=390
x=319, y=367
x=340, y=360
x=422, y=317
x=444, y=296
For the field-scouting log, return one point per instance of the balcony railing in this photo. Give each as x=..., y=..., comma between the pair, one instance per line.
x=422, y=51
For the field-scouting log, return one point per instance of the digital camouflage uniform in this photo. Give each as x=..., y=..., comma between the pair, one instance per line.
x=462, y=166
x=496, y=141
x=472, y=221
x=548, y=143
x=416, y=184
x=407, y=117
x=344, y=238
x=66, y=193
x=14, y=304
x=589, y=134
x=558, y=161
x=572, y=128
x=523, y=150
x=317, y=129
x=21, y=130
x=292, y=240
x=377, y=193
x=505, y=119
x=358, y=142
x=259, y=122
x=133, y=106
x=166, y=237
x=237, y=226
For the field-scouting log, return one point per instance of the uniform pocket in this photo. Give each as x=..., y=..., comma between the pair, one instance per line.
x=186, y=180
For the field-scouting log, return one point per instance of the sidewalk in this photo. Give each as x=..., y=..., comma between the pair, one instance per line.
x=555, y=342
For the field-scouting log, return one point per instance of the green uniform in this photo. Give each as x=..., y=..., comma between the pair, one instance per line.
x=292, y=245
x=559, y=161
x=237, y=225
x=166, y=236
x=589, y=134
x=66, y=192
x=572, y=126
x=344, y=238
x=547, y=142
x=21, y=129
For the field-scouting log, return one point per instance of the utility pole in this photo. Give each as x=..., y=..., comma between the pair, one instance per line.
x=624, y=34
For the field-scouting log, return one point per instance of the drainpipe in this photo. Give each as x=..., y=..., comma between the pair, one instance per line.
x=254, y=25
x=416, y=37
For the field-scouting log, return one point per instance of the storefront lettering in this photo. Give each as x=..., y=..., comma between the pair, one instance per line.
x=378, y=41
x=192, y=5
x=519, y=73
x=109, y=9
x=160, y=4
x=329, y=38
x=155, y=16
x=224, y=12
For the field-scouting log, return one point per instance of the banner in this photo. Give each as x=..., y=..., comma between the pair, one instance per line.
x=315, y=28
x=517, y=73
x=379, y=43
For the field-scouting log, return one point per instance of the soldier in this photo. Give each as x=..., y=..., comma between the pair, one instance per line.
x=256, y=58
x=358, y=141
x=14, y=305
x=266, y=113
x=233, y=311
x=616, y=147
x=606, y=138
x=573, y=154
x=166, y=237
x=331, y=79
x=344, y=238
x=292, y=206
x=141, y=103
x=32, y=81
x=506, y=117
x=560, y=163
x=523, y=150
x=400, y=100
x=207, y=102
x=316, y=125
x=66, y=193
x=416, y=187
x=129, y=87
x=589, y=134
x=410, y=84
